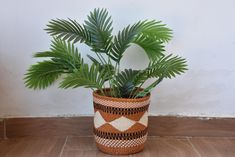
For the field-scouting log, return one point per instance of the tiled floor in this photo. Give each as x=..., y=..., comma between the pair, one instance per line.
x=85, y=147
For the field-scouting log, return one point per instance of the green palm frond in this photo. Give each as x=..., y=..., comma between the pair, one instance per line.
x=157, y=30
x=167, y=67
x=63, y=53
x=99, y=25
x=108, y=68
x=149, y=35
x=140, y=77
x=69, y=30
x=124, y=81
x=43, y=74
x=86, y=77
x=95, y=61
x=153, y=48
x=64, y=58
x=123, y=40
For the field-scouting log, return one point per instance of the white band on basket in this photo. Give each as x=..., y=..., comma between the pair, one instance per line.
x=121, y=143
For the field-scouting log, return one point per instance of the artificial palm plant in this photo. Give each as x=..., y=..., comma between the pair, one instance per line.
x=120, y=125
x=65, y=60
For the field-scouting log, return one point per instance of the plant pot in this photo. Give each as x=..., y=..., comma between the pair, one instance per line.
x=120, y=124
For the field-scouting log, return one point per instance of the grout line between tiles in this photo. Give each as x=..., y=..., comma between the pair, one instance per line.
x=194, y=148
x=1, y=126
x=4, y=130
x=62, y=149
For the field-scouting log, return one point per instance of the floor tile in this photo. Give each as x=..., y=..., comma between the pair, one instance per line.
x=32, y=147
x=80, y=143
x=85, y=147
x=167, y=147
x=1, y=128
x=91, y=153
x=214, y=147
x=82, y=147
x=41, y=127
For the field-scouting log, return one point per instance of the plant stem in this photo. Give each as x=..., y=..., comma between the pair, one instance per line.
x=135, y=91
x=101, y=90
x=151, y=86
x=103, y=59
x=99, y=58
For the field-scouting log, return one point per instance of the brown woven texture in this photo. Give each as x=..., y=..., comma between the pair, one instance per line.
x=121, y=135
x=97, y=95
x=120, y=151
x=110, y=113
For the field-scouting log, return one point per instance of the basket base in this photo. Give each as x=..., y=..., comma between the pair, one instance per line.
x=120, y=151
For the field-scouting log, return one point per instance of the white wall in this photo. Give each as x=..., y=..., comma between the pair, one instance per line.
x=203, y=33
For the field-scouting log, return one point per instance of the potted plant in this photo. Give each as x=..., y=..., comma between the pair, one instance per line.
x=120, y=100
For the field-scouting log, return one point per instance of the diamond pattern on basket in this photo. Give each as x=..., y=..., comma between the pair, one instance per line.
x=144, y=119
x=122, y=123
x=98, y=120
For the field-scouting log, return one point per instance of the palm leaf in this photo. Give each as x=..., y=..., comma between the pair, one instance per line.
x=147, y=34
x=86, y=77
x=108, y=68
x=167, y=67
x=63, y=53
x=124, y=81
x=123, y=40
x=99, y=25
x=69, y=30
x=157, y=30
x=64, y=58
x=95, y=61
x=153, y=48
x=43, y=74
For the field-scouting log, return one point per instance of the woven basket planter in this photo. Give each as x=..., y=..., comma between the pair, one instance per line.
x=120, y=125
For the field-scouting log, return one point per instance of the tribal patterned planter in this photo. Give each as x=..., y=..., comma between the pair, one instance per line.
x=120, y=125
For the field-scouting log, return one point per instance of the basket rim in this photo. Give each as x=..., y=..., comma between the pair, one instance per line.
x=97, y=95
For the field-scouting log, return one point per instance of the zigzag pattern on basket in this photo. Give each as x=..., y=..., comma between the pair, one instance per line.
x=121, y=143
x=121, y=104
x=122, y=123
x=121, y=111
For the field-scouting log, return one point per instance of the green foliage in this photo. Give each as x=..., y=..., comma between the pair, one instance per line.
x=99, y=25
x=124, y=81
x=150, y=35
x=96, y=32
x=148, y=89
x=64, y=58
x=152, y=47
x=166, y=67
x=86, y=77
x=43, y=74
x=64, y=54
x=123, y=40
x=157, y=30
x=69, y=30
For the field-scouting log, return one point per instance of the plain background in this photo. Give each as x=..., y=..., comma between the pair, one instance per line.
x=203, y=33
